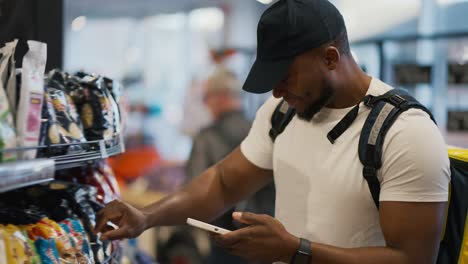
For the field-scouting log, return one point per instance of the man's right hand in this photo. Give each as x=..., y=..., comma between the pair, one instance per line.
x=130, y=220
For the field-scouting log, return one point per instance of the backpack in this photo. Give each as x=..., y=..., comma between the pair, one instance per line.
x=385, y=109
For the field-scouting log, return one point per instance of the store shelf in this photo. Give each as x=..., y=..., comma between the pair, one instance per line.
x=16, y=175
x=19, y=174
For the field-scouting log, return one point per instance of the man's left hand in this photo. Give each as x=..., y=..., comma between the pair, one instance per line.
x=264, y=239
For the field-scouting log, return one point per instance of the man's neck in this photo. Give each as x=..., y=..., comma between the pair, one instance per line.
x=353, y=87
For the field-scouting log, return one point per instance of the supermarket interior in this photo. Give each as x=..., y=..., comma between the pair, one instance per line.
x=105, y=100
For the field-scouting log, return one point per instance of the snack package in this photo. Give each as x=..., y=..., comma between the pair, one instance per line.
x=81, y=243
x=3, y=246
x=66, y=114
x=47, y=250
x=8, y=73
x=31, y=251
x=7, y=128
x=53, y=131
x=31, y=96
x=95, y=108
x=114, y=90
x=109, y=176
x=16, y=245
x=104, y=192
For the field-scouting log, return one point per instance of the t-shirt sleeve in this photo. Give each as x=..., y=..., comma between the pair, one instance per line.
x=416, y=166
x=257, y=147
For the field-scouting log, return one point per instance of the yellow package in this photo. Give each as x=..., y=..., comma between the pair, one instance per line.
x=3, y=249
x=15, y=245
x=61, y=238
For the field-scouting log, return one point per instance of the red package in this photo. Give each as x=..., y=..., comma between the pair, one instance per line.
x=109, y=176
x=94, y=178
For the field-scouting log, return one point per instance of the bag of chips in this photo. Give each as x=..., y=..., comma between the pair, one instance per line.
x=81, y=240
x=114, y=90
x=31, y=97
x=3, y=246
x=58, y=126
x=8, y=73
x=30, y=248
x=7, y=130
x=95, y=108
x=47, y=250
x=16, y=245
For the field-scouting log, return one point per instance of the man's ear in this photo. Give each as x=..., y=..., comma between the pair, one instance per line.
x=332, y=57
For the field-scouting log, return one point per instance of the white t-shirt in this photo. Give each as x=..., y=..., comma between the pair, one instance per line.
x=321, y=194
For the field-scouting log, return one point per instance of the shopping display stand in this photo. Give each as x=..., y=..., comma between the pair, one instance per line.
x=21, y=174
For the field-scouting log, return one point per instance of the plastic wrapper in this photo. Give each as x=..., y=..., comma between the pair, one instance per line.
x=16, y=245
x=49, y=229
x=66, y=114
x=31, y=251
x=57, y=125
x=3, y=246
x=47, y=250
x=95, y=108
x=79, y=198
x=79, y=241
x=114, y=93
x=8, y=73
x=109, y=175
x=31, y=96
x=94, y=178
x=7, y=128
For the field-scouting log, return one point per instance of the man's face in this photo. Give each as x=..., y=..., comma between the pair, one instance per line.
x=306, y=87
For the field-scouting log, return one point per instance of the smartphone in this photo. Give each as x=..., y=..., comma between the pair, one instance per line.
x=207, y=227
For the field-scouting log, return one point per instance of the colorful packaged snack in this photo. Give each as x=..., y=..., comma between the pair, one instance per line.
x=8, y=73
x=82, y=242
x=3, y=245
x=47, y=250
x=7, y=128
x=95, y=108
x=109, y=175
x=15, y=245
x=31, y=96
x=31, y=251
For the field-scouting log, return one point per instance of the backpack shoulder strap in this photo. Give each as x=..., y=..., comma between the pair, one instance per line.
x=385, y=110
x=281, y=117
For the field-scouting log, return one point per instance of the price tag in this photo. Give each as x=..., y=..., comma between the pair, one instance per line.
x=102, y=146
x=122, y=142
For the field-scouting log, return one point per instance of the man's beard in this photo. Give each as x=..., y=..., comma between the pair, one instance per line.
x=311, y=110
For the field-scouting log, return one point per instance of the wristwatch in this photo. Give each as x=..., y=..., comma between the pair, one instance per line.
x=302, y=255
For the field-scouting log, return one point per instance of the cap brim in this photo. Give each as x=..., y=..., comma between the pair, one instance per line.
x=265, y=75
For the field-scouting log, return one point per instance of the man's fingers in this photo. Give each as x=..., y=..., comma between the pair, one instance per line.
x=111, y=212
x=234, y=237
x=248, y=218
x=120, y=233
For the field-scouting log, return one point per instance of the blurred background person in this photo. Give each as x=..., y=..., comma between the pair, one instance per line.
x=221, y=96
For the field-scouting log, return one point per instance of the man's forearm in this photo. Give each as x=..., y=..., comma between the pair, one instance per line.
x=204, y=199
x=324, y=254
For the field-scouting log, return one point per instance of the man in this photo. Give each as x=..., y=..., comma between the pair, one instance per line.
x=212, y=144
x=321, y=196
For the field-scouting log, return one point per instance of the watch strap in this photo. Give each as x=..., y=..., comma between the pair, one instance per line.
x=302, y=255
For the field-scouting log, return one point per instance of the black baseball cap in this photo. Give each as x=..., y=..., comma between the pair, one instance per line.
x=286, y=29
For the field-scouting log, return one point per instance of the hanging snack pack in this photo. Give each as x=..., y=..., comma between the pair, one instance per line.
x=3, y=246
x=31, y=97
x=7, y=128
x=114, y=91
x=47, y=250
x=60, y=122
x=15, y=244
x=8, y=73
x=95, y=108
